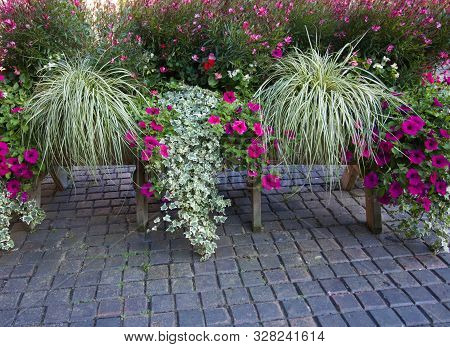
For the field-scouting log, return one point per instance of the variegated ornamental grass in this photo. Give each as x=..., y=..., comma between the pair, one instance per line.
x=80, y=112
x=319, y=103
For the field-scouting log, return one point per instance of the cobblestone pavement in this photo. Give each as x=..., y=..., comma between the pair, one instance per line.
x=315, y=264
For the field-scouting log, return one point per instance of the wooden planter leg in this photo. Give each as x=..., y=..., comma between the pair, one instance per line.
x=60, y=177
x=141, y=201
x=255, y=188
x=349, y=177
x=36, y=193
x=373, y=212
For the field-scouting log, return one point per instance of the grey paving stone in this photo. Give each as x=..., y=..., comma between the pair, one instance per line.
x=83, y=311
x=308, y=289
x=357, y=284
x=358, y=319
x=162, y=303
x=83, y=294
x=441, y=291
x=321, y=305
x=425, y=277
x=269, y=311
x=29, y=317
x=275, y=276
x=378, y=252
x=431, y=261
x=261, y=293
x=33, y=299
x=444, y=274
x=321, y=272
x=370, y=300
x=237, y=296
x=346, y=302
x=285, y=291
x=135, y=306
x=298, y=274
x=191, y=318
x=182, y=285
x=411, y=315
x=296, y=308
x=7, y=317
x=212, y=299
x=343, y=270
x=386, y=317
x=163, y=320
x=420, y=295
x=395, y=297
x=303, y=322
x=410, y=263
x=379, y=282
x=158, y=272
x=206, y=282
x=232, y=280
x=250, y=279
x=187, y=301
x=217, y=317
x=331, y=320
x=58, y=313
x=9, y=300
x=438, y=313
x=365, y=267
x=244, y=314
x=333, y=286
x=136, y=321
x=110, y=308
x=276, y=323
x=108, y=322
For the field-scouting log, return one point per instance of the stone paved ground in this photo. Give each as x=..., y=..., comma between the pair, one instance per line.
x=314, y=265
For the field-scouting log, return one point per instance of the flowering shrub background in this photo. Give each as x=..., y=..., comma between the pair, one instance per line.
x=411, y=168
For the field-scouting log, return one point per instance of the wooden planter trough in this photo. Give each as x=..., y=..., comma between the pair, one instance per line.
x=348, y=180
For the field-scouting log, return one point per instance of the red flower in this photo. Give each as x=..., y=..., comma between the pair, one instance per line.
x=209, y=64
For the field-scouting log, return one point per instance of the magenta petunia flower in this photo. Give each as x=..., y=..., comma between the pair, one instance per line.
x=214, y=120
x=228, y=129
x=386, y=146
x=436, y=102
x=239, y=126
x=255, y=150
x=146, y=154
x=2, y=94
x=152, y=110
x=254, y=107
x=433, y=177
x=13, y=187
x=416, y=156
x=371, y=180
x=444, y=133
x=229, y=97
x=252, y=173
x=31, y=156
x=385, y=199
x=382, y=158
x=4, y=169
x=416, y=189
x=413, y=176
x=4, y=149
x=270, y=182
x=439, y=161
x=277, y=53
x=24, y=197
x=164, y=151
x=155, y=126
x=418, y=120
x=395, y=190
x=258, y=129
x=151, y=141
x=431, y=144
x=19, y=170
x=130, y=138
x=17, y=109
x=147, y=190
x=142, y=124
x=394, y=135
x=169, y=107
x=426, y=203
x=441, y=187
x=410, y=128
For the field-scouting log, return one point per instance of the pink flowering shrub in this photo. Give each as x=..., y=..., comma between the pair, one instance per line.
x=34, y=30
x=19, y=164
x=411, y=163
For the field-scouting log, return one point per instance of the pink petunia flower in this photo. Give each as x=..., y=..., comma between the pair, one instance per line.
x=147, y=190
x=4, y=149
x=169, y=107
x=255, y=150
x=252, y=173
x=376, y=28
x=31, y=156
x=152, y=110
x=431, y=144
x=395, y=190
x=277, y=53
x=155, y=126
x=163, y=69
x=444, y=133
x=254, y=107
x=371, y=180
x=441, y=187
x=436, y=102
x=214, y=120
x=416, y=156
x=142, y=124
x=130, y=138
x=426, y=203
x=439, y=161
x=270, y=182
x=13, y=187
x=239, y=126
x=151, y=141
x=258, y=129
x=17, y=109
x=146, y=154
x=229, y=97
x=164, y=151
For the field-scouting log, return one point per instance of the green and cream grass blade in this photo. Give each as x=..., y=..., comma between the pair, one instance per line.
x=80, y=113
x=326, y=103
